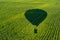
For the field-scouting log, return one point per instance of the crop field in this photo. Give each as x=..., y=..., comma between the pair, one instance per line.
x=14, y=25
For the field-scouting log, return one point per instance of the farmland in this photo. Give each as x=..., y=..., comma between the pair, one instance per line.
x=14, y=25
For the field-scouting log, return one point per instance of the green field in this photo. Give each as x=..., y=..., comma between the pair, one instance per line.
x=14, y=25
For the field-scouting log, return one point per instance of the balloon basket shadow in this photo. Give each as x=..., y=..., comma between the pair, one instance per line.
x=35, y=30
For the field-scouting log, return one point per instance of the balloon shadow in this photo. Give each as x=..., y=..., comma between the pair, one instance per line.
x=35, y=16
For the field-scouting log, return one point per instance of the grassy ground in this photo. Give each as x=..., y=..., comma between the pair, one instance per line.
x=14, y=25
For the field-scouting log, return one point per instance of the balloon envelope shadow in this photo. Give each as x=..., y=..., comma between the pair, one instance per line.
x=35, y=16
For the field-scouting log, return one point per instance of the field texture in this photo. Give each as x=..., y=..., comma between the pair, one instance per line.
x=14, y=25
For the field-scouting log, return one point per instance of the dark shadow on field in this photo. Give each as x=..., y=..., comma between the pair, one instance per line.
x=35, y=16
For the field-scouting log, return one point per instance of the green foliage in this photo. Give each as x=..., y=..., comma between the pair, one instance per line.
x=14, y=27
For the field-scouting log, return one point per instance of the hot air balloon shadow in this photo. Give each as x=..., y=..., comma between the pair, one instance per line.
x=35, y=16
